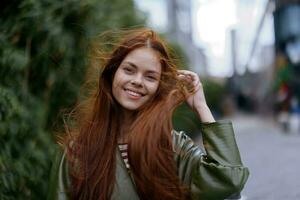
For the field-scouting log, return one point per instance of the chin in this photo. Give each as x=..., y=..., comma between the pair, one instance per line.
x=131, y=107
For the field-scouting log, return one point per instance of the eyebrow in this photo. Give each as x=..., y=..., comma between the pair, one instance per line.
x=135, y=66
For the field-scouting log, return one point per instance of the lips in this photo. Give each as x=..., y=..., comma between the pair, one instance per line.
x=134, y=93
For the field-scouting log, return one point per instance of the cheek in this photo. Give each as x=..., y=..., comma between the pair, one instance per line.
x=153, y=88
x=118, y=79
x=116, y=84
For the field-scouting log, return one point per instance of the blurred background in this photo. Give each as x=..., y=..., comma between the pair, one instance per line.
x=247, y=53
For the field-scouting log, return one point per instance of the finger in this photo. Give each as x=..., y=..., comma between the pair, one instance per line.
x=185, y=77
x=186, y=72
x=187, y=81
x=182, y=76
x=191, y=78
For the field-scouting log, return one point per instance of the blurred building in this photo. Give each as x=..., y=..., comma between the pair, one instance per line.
x=180, y=29
x=252, y=56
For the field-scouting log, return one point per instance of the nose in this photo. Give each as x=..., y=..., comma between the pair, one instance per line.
x=137, y=81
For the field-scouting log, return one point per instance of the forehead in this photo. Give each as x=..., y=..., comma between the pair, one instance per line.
x=144, y=58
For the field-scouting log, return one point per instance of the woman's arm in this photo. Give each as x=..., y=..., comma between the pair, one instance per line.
x=216, y=174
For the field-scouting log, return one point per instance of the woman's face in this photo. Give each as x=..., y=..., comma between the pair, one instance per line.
x=137, y=78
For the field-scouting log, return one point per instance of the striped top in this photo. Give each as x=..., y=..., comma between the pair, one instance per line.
x=124, y=153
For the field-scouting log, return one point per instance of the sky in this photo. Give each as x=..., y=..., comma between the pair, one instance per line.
x=212, y=22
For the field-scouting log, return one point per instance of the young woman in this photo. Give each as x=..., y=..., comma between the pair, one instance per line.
x=122, y=144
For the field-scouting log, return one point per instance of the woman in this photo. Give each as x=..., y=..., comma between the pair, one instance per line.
x=122, y=145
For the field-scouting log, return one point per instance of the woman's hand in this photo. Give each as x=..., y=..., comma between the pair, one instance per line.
x=196, y=99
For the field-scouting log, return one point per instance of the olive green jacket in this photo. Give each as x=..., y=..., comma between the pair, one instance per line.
x=215, y=174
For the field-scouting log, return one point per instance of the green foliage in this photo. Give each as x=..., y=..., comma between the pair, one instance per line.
x=184, y=119
x=25, y=147
x=214, y=93
x=43, y=51
x=178, y=55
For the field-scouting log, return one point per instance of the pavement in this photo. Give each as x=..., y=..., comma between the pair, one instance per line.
x=272, y=157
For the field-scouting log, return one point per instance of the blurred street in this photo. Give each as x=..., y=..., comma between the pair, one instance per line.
x=272, y=157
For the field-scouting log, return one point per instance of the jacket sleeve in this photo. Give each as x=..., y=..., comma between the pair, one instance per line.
x=59, y=177
x=216, y=174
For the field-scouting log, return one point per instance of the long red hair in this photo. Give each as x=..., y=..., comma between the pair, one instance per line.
x=92, y=133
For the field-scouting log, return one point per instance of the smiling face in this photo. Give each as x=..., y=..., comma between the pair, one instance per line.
x=137, y=78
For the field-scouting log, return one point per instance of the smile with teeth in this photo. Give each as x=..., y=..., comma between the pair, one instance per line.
x=133, y=94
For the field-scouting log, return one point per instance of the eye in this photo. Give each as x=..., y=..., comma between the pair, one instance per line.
x=128, y=70
x=151, y=78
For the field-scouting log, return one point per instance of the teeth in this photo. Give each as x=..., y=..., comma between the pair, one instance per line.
x=133, y=93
